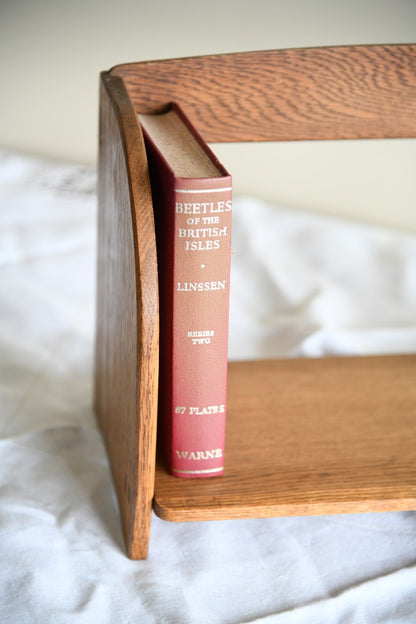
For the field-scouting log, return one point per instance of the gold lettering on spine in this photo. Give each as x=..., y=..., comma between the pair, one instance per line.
x=201, y=286
x=196, y=216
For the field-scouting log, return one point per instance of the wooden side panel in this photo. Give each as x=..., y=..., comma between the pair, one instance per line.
x=127, y=314
x=345, y=92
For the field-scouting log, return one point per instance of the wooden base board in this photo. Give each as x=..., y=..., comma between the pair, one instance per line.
x=306, y=436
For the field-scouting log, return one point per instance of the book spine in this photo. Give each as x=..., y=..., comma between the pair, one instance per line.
x=200, y=309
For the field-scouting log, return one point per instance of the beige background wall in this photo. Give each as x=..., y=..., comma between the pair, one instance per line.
x=51, y=52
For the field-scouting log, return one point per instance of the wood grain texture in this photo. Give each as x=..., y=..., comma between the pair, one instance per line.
x=345, y=92
x=304, y=436
x=127, y=314
x=334, y=435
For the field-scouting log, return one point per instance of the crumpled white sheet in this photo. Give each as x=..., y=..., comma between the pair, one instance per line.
x=303, y=285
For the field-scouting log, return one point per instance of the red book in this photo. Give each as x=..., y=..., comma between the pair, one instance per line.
x=192, y=202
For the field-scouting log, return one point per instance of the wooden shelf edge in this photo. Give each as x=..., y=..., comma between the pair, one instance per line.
x=284, y=511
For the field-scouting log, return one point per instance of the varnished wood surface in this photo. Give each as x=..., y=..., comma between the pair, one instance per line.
x=127, y=314
x=333, y=435
x=345, y=92
x=304, y=436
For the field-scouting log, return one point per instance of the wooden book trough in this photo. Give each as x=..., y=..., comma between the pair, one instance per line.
x=304, y=436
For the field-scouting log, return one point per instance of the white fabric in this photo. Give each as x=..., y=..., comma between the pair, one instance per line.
x=310, y=285
x=302, y=285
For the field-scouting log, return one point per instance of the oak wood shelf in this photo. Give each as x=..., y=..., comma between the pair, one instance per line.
x=332, y=435
x=304, y=437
